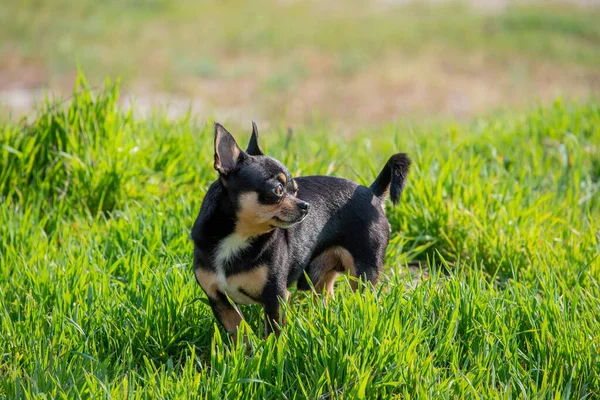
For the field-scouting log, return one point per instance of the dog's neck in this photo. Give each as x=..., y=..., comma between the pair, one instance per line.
x=229, y=245
x=225, y=206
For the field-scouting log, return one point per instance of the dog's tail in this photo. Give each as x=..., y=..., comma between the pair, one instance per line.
x=392, y=178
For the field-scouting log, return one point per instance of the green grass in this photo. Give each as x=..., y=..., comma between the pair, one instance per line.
x=98, y=298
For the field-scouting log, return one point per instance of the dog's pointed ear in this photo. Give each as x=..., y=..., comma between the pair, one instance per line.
x=253, y=148
x=227, y=152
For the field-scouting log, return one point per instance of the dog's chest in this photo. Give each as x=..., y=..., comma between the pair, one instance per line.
x=243, y=287
x=228, y=248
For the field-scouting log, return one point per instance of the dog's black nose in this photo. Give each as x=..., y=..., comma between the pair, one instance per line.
x=304, y=206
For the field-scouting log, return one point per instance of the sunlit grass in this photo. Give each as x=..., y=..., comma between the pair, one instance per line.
x=98, y=299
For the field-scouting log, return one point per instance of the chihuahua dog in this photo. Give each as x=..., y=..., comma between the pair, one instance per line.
x=259, y=230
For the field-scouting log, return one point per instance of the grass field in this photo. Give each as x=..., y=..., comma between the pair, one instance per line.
x=98, y=298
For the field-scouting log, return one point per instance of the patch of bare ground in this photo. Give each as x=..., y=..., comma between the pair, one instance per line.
x=18, y=73
x=395, y=86
x=308, y=84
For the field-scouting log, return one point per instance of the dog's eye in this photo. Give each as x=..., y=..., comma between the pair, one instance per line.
x=278, y=190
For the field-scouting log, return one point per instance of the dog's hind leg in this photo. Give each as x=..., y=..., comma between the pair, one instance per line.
x=327, y=283
x=324, y=270
x=361, y=269
x=365, y=273
x=326, y=267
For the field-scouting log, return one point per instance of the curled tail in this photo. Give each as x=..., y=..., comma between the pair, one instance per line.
x=392, y=178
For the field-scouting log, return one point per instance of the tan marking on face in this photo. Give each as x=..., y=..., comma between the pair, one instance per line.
x=282, y=178
x=255, y=218
x=251, y=282
x=294, y=186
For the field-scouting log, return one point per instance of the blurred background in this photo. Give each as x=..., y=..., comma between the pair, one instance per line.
x=352, y=63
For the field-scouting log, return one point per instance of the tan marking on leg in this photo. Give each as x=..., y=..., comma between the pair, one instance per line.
x=327, y=264
x=330, y=282
x=252, y=282
x=348, y=263
x=327, y=282
x=346, y=259
x=337, y=255
x=207, y=281
x=225, y=313
x=230, y=318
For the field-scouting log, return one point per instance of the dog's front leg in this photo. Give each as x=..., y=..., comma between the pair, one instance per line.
x=274, y=317
x=225, y=313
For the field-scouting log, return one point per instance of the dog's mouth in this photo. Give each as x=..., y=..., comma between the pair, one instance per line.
x=281, y=223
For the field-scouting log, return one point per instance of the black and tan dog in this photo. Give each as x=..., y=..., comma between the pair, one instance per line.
x=260, y=230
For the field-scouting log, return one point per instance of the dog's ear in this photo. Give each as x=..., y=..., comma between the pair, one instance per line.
x=227, y=152
x=253, y=148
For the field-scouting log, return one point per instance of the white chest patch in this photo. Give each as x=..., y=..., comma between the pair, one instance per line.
x=229, y=247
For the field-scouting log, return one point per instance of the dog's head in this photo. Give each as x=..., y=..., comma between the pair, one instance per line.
x=261, y=188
